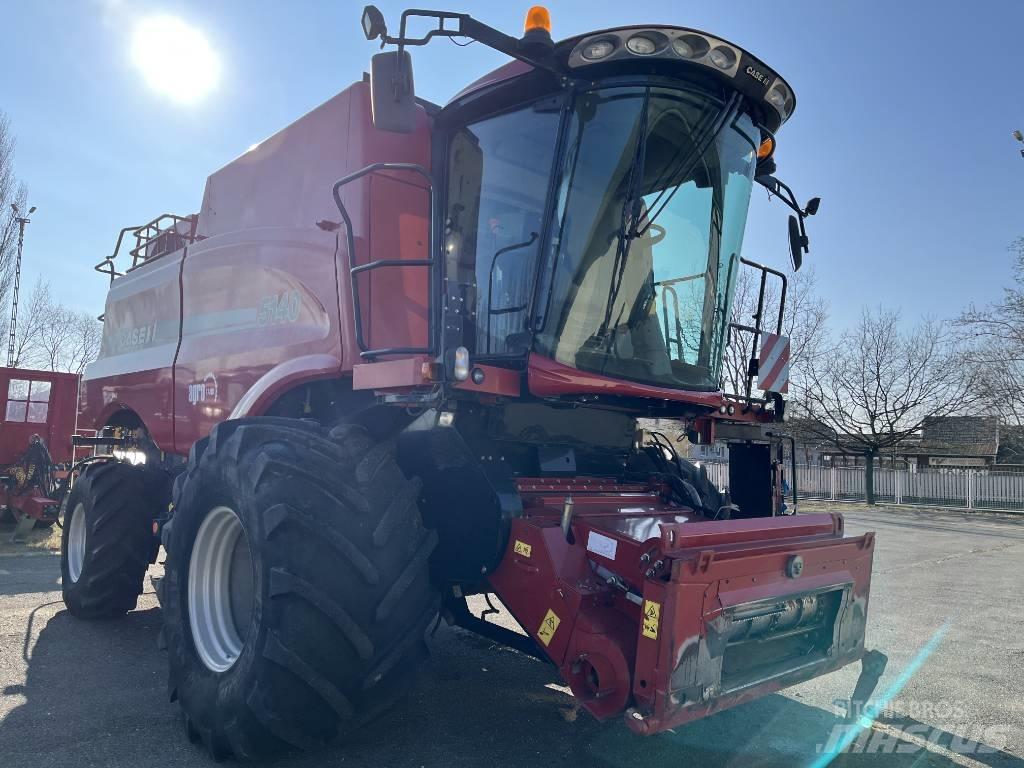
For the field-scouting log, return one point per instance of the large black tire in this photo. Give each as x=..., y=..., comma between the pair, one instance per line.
x=340, y=594
x=118, y=503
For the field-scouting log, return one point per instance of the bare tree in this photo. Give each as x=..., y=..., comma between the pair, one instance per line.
x=874, y=388
x=996, y=337
x=805, y=322
x=53, y=337
x=83, y=343
x=34, y=316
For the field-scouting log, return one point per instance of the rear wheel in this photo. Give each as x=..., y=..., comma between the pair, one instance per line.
x=107, y=542
x=296, y=593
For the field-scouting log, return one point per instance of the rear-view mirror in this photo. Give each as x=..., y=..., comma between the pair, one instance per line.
x=392, y=94
x=797, y=243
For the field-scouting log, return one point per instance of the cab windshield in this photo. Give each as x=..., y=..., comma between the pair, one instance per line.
x=651, y=208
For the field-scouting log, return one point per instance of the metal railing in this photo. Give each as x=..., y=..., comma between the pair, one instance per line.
x=960, y=489
x=165, y=234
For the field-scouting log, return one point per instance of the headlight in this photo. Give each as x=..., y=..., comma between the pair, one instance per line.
x=690, y=46
x=641, y=45
x=777, y=96
x=722, y=57
x=598, y=50
x=680, y=49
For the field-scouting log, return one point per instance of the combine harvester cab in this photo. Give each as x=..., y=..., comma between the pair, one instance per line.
x=400, y=358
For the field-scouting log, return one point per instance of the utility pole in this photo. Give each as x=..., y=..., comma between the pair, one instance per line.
x=22, y=221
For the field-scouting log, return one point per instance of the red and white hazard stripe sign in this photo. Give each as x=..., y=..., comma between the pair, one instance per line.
x=773, y=364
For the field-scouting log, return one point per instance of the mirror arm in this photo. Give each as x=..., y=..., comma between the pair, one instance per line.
x=537, y=56
x=785, y=194
x=781, y=191
x=441, y=31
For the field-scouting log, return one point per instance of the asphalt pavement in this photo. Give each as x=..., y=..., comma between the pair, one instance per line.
x=946, y=607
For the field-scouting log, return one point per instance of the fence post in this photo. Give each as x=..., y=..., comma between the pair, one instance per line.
x=970, y=489
x=895, y=485
x=832, y=484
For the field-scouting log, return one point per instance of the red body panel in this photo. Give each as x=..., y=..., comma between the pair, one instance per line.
x=135, y=367
x=236, y=330
x=216, y=328
x=548, y=378
x=505, y=72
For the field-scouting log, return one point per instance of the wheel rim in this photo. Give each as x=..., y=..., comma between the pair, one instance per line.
x=220, y=589
x=76, y=543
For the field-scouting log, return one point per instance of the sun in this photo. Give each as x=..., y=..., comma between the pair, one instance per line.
x=175, y=59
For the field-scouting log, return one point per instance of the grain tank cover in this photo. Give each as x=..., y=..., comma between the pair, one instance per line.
x=286, y=179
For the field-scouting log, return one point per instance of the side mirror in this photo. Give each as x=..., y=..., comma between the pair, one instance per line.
x=392, y=94
x=797, y=243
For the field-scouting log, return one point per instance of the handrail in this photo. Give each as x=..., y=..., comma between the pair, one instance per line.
x=668, y=289
x=355, y=270
x=782, y=296
x=756, y=330
x=490, y=284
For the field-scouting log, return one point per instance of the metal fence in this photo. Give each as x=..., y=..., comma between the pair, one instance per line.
x=966, y=489
x=718, y=473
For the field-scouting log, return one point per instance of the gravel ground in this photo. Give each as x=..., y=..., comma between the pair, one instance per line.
x=94, y=694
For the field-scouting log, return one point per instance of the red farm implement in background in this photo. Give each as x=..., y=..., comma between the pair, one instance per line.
x=38, y=419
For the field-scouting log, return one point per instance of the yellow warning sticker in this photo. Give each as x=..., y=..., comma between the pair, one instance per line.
x=652, y=614
x=522, y=548
x=548, y=627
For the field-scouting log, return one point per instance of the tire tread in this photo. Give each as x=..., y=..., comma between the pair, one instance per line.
x=119, y=501
x=347, y=595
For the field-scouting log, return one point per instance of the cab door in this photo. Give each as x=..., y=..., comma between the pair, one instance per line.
x=499, y=171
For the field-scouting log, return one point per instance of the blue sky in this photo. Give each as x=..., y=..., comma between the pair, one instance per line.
x=903, y=124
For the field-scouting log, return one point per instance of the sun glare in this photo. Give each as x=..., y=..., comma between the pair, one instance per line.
x=175, y=59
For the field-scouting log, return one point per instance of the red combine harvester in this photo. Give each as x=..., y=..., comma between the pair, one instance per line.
x=405, y=349
x=35, y=442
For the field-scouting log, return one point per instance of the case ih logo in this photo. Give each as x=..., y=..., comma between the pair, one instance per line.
x=204, y=391
x=758, y=75
x=138, y=336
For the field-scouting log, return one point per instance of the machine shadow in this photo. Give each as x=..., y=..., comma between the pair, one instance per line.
x=480, y=704
x=23, y=574
x=102, y=682
x=475, y=704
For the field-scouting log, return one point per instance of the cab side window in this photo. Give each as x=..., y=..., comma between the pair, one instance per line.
x=498, y=180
